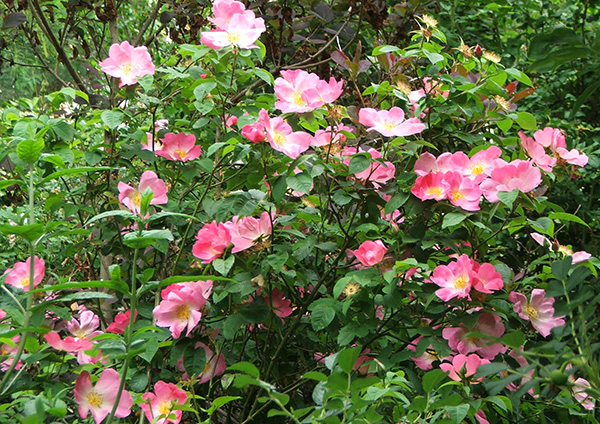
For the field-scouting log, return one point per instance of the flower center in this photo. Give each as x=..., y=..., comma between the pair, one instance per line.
x=164, y=408
x=531, y=311
x=25, y=283
x=435, y=191
x=279, y=138
x=389, y=125
x=182, y=312
x=127, y=68
x=461, y=282
x=298, y=99
x=565, y=250
x=136, y=199
x=95, y=399
x=80, y=334
x=477, y=169
x=456, y=195
x=182, y=154
x=234, y=37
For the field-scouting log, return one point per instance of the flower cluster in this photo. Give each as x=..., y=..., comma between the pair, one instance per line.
x=463, y=180
x=553, y=139
x=243, y=233
x=236, y=26
x=458, y=277
x=300, y=91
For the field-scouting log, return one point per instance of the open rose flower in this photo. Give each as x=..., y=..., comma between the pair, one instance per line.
x=389, y=123
x=132, y=198
x=181, y=306
x=18, y=275
x=99, y=398
x=538, y=310
x=127, y=63
x=158, y=406
x=179, y=147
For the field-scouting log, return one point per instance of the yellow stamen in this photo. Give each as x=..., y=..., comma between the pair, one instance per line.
x=136, y=199
x=436, y=191
x=95, y=399
x=389, y=125
x=477, y=169
x=182, y=312
x=461, y=282
x=127, y=68
x=182, y=154
x=298, y=99
x=531, y=311
x=456, y=195
x=164, y=408
x=279, y=138
x=234, y=37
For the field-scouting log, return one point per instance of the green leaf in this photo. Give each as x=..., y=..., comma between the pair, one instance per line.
x=457, y=413
x=64, y=130
x=277, y=260
x=27, y=232
x=315, y=375
x=151, y=348
x=347, y=358
x=453, y=218
x=489, y=369
x=505, y=124
x=359, y=163
x=508, y=197
x=432, y=379
x=263, y=75
x=560, y=269
x=526, y=121
x=519, y=76
x=563, y=216
x=112, y=118
x=203, y=89
x=74, y=171
x=245, y=367
x=219, y=402
x=300, y=182
x=146, y=238
x=322, y=313
x=29, y=151
x=108, y=214
x=396, y=202
x=223, y=266
x=194, y=360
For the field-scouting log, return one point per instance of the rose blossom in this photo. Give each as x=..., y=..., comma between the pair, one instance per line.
x=127, y=63
x=99, y=399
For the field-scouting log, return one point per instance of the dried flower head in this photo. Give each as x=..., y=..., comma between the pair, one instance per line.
x=502, y=102
x=491, y=56
x=465, y=50
x=429, y=21
x=351, y=289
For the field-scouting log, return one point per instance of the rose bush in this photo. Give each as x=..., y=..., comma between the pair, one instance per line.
x=298, y=248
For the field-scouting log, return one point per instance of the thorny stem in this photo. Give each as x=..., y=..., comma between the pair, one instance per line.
x=129, y=331
x=28, y=312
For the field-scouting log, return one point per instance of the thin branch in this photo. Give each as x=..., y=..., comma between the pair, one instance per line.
x=43, y=23
x=148, y=21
